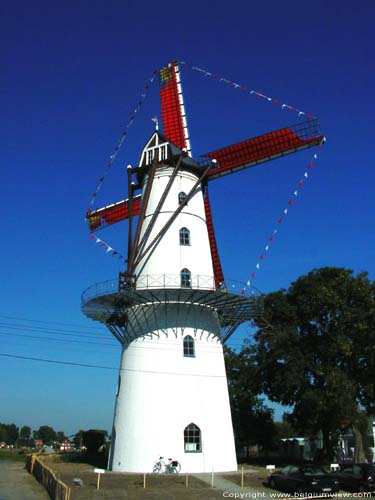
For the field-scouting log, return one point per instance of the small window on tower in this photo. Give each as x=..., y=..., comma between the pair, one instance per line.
x=185, y=278
x=192, y=439
x=184, y=236
x=181, y=197
x=150, y=156
x=189, y=348
x=163, y=153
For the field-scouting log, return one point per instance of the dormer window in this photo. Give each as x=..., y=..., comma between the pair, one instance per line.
x=163, y=153
x=150, y=156
x=156, y=149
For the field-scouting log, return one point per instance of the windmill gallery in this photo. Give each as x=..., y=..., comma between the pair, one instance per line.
x=171, y=308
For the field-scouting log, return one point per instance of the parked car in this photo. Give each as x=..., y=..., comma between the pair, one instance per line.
x=304, y=479
x=356, y=477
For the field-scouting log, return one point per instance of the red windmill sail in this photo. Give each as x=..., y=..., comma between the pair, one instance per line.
x=218, y=271
x=172, y=107
x=110, y=214
x=264, y=148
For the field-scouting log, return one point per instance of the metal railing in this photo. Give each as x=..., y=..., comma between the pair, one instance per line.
x=169, y=281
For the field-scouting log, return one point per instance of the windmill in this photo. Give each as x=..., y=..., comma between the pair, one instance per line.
x=171, y=309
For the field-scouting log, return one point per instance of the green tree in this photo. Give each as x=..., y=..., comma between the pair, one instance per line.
x=25, y=432
x=78, y=439
x=9, y=433
x=252, y=420
x=315, y=350
x=60, y=436
x=46, y=433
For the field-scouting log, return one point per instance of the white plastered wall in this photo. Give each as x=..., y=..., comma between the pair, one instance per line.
x=169, y=257
x=161, y=392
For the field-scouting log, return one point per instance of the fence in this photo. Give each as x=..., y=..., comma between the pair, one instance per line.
x=56, y=489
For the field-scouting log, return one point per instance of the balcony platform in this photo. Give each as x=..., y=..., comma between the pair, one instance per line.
x=233, y=303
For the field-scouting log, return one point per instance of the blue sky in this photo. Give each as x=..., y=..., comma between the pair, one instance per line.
x=73, y=73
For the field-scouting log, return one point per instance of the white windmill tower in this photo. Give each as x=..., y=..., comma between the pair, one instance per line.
x=170, y=309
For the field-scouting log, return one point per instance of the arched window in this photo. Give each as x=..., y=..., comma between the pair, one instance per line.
x=185, y=278
x=184, y=236
x=192, y=439
x=189, y=348
x=181, y=197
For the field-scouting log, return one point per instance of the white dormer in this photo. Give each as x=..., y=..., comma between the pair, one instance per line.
x=155, y=149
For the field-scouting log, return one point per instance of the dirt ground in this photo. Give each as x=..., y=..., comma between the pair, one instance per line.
x=17, y=484
x=115, y=486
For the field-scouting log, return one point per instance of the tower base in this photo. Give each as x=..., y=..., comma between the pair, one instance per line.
x=173, y=405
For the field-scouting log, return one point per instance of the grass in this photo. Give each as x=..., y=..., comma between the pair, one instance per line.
x=12, y=454
x=256, y=479
x=115, y=486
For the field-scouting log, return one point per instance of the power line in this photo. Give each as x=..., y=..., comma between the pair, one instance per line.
x=48, y=330
x=164, y=348
x=63, y=333
x=109, y=367
x=40, y=329
x=47, y=322
x=57, y=362
x=56, y=339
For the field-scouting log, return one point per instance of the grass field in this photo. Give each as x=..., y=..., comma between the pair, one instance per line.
x=115, y=486
x=9, y=454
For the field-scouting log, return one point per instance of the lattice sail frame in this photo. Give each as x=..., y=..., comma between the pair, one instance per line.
x=264, y=148
x=173, y=108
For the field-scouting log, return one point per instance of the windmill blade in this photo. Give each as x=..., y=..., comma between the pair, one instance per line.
x=172, y=107
x=264, y=148
x=216, y=264
x=111, y=214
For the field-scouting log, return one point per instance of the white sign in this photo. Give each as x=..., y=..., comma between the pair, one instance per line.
x=99, y=471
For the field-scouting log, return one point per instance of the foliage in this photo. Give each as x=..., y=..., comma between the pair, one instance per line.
x=46, y=433
x=284, y=430
x=78, y=439
x=8, y=433
x=315, y=349
x=94, y=440
x=252, y=420
x=60, y=436
x=25, y=432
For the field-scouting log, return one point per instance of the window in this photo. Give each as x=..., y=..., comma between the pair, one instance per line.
x=192, y=439
x=163, y=153
x=189, y=348
x=185, y=278
x=150, y=156
x=184, y=236
x=181, y=197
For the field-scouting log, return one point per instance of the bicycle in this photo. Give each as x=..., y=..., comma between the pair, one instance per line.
x=172, y=467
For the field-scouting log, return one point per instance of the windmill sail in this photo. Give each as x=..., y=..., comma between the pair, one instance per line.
x=218, y=271
x=111, y=214
x=172, y=107
x=264, y=148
